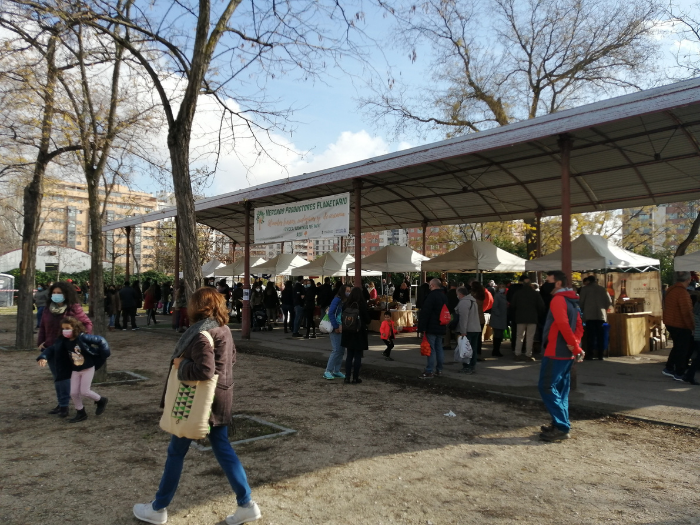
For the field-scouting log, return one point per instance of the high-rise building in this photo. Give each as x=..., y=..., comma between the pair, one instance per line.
x=65, y=222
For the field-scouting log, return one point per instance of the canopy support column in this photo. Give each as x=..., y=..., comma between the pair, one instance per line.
x=565, y=147
x=357, y=187
x=424, y=230
x=538, y=244
x=128, y=253
x=176, y=279
x=245, y=316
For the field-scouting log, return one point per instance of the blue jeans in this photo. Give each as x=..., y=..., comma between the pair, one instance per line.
x=335, y=360
x=225, y=455
x=298, y=316
x=39, y=311
x=436, y=357
x=62, y=392
x=111, y=320
x=555, y=380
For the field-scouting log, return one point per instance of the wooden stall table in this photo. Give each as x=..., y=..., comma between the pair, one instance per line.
x=629, y=333
x=400, y=318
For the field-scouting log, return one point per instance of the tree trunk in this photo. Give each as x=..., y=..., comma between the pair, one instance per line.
x=33, y=194
x=179, y=145
x=97, y=309
x=682, y=247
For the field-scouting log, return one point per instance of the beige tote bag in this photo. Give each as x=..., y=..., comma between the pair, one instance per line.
x=188, y=404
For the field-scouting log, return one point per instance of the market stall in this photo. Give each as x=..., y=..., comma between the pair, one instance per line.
x=331, y=264
x=209, y=268
x=392, y=259
x=236, y=268
x=689, y=262
x=475, y=256
x=283, y=264
x=635, y=318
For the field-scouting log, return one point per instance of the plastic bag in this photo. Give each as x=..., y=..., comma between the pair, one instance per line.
x=464, y=350
x=445, y=316
x=425, y=347
x=506, y=333
x=325, y=325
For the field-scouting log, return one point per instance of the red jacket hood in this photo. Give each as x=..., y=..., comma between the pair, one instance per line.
x=569, y=294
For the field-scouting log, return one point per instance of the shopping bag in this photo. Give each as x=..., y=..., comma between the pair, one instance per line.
x=445, y=316
x=506, y=333
x=325, y=325
x=425, y=347
x=188, y=404
x=464, y=351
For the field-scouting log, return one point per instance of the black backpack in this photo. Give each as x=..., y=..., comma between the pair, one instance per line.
x=351, y=318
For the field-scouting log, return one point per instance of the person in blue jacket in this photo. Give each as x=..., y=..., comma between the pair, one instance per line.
x=335, y=312
x=77, y=355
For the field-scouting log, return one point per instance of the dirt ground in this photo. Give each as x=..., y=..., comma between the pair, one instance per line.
x=374, y=453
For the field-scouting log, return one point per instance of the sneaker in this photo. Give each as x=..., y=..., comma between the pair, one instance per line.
x=356, y=381
x=438, y=373
x=134, y=328
x=312, y=337
x=529, y=358
x=297, y=335
x=555, y=435
x=678, y=377
x=101, y=404
x=387, y=358
x=339, y=375
x=246, y=514
x=123, y=329
x=465, y=371
x=426, y=375
x=667, y=372
x=145, y=512
x=547, y=428
x=328, y=375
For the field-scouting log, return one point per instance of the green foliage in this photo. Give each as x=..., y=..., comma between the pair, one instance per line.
x=83, y=277
x=666, y=259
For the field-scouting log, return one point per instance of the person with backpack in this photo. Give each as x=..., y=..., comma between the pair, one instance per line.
x=77, y=355
x=387, y=332
x=354, y=333
x=430, y=324
x=335, y=315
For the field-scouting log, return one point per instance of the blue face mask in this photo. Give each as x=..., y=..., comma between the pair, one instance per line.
x=57, y=298
x=307, y=286
x=347, y=294
x=40, y=288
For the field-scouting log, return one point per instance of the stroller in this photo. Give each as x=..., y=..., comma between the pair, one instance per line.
x=259, y=320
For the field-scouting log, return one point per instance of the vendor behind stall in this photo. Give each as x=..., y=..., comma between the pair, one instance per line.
x=403, y=294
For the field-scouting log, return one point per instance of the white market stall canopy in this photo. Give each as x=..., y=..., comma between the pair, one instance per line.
x=592, y=252
x=208, y=268
x=331, y=264
x=689, y=262
x=393, y=259
x=235, y=268
x=475, y=255
x=283, y=264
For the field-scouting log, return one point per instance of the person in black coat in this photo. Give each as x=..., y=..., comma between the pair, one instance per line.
x=356, y=342
x=310, y=308
x=429, y=324
x=129, y=299
x=325, y=294
x=288, y=305
x=402, y=294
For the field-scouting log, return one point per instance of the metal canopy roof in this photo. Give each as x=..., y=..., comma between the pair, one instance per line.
x=628, y=151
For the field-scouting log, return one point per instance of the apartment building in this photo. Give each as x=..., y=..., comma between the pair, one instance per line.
x=65, y=222
x=659, y=227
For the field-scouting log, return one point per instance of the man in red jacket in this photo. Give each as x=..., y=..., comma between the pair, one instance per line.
x=562, y=344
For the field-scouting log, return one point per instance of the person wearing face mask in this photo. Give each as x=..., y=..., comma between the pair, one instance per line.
x=76, y=356
x=41, y=299
x=257, y=301
x=64, y=303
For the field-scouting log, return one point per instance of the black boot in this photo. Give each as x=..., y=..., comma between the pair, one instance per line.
x=357, y=381
x=497, y=348
x=101, y=404
x=55, y=410
x=63, y=412
x=80, y=415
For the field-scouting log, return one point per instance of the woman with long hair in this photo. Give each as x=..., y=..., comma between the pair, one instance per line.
x=63, y=303
x=355, y=340
x=200, y=361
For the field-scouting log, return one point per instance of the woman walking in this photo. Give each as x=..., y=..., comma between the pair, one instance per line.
x=200, y=361
x=335, y=314
x=354, y=333
x=63, y=303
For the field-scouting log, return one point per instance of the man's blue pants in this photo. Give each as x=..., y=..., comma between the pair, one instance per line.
x=555, y=381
